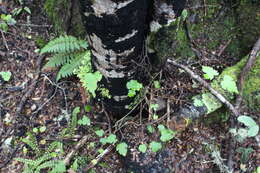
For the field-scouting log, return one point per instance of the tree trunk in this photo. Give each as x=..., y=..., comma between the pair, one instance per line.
x=116, y=34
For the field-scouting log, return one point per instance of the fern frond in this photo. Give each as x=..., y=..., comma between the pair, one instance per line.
x=58, y=59
x=64, y=44
x=44, y=158
x=57, y=166
x=32, y=142
x=55, y=145
x=26, y=161
x=68, y=68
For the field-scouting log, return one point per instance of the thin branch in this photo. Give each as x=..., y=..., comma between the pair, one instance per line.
x=75, y=149
x=95, y=161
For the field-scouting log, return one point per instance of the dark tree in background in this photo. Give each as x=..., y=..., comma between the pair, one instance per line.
x=116, y=32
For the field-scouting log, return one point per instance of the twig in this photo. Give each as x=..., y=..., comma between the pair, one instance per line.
x=206, y=85
x=95, y=161
x=4, y=40
x=75, y=149
x=33, y=25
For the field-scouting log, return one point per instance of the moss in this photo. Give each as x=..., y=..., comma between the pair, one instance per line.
x=251, y=92
x=65, y=16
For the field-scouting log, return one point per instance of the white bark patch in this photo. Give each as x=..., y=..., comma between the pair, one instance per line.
x=127, y=36
x=108, y=7
x=120, y=98
x=112, y=73
x=101, y=53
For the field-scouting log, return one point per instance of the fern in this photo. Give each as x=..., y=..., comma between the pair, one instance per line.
x=32, y=142
x=64, y=44
x=68, y=53
x=58, y=60
x=68, y=68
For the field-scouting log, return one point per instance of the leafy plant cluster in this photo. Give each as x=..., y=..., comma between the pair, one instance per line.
x=6, y=20
x=45, y=159
x=6, y=75
x=72, y=56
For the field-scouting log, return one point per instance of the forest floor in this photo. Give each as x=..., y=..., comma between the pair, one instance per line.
x=32, y=99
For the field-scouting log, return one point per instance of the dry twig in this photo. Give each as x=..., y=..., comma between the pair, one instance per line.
x=75, y=149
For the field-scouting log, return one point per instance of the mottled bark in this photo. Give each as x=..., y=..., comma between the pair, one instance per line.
x=116, y=34
x=117, y=31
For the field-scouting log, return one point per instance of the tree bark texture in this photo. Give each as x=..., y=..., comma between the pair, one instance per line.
x=117, y=31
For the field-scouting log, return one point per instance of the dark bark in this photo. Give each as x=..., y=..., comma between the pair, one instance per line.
x=116, y=33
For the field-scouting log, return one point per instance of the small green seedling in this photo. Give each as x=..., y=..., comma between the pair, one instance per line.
x=122, y=148
x=155, y=146
x=100, y=133
x=84, y=121
x=251, y=129
x=166, y=134
x=142, y=148
x=150, y=129
x=209, y=72
x=133, y=86
x=6, y=75
x=111, y=139
x=156, y=84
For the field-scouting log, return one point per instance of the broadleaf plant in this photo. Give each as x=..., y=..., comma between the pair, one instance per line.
x=210, y=73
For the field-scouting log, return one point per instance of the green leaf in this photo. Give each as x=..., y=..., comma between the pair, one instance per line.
x=184, y=14
x=253, y=128
x=101, y=150
x=157, y=84
x=229, y=84
x=210, y=73
x=92, y=80
x=150, y=129
x=111, y=139
x=133, y=86
x=122, y=148
x=42, y=129
x=27, y=10
x=100, y=133
x=35, y=130
x=87, y=108
x=154, y=106
x=75, y=165
x=166, y=134
x=142, y=148
x=6, y=75
x=84, y=121
x=197, y=102
x=155, y=146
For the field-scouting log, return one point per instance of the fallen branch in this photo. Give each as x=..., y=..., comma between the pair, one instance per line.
x=206, y=85
x=95, y=161
x=75, y=149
